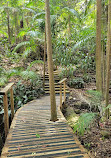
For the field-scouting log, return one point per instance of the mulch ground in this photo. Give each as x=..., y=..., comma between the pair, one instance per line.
x=98, y=138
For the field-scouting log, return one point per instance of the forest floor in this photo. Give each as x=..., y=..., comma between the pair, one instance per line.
x=97, y=139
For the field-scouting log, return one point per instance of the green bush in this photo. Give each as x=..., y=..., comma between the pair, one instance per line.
x=76, y=83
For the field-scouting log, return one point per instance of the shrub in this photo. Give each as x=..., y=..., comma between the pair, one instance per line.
x=76, y=83
x=83, y=123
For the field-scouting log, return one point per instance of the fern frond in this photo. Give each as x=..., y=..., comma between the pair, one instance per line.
x=82, y=41
x=21, y=45
x=73, y=12
x=27, y=75
x=22, y=33
x=34, y=33
x=13, y=72
x=84, y=122
x=38, y=15
x=29, y=9
x=35, y=62
x=3, y=80
x=26, y=52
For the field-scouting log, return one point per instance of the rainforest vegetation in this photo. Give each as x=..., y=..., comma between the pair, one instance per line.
x=81, y=47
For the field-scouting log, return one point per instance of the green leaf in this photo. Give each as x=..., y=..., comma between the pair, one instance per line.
x=37, y=135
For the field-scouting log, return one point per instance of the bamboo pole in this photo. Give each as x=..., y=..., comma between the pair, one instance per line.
x=6, y=118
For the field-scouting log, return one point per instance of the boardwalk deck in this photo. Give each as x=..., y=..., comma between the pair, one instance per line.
x=33, y=135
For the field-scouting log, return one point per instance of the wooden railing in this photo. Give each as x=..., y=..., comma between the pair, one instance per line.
x=3, y=92
x=62, y=82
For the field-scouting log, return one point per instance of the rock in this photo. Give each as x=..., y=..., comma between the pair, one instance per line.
x=77, y=104
x=70, y=98
x=85, y=105
x=77, y=111
x=69, y=111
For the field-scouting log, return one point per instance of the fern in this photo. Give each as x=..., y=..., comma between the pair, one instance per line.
x=21, y=45
x=13, y=72
x=29, y=75
x=83, y=123
x=3, y=80
x=26, y=52
x=96, y=100
x=34, y=33
x=35, y=62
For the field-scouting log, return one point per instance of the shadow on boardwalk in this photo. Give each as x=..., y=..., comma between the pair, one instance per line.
x=33, y=135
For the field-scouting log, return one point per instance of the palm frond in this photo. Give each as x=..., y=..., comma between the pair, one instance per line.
x=21, y=45
x=22, y=33
x=34, y=33
x=13, y=72
x=73, y=12
x=28, y=75
x=29, y=9
x=38, y=15
x=90, y=2
x=26, y=52
x=35, y=62
x=82, y=41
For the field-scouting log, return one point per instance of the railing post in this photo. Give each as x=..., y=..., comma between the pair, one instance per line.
x=6, y=118
x=12, y=102
x=60, y=96
x=64, y=91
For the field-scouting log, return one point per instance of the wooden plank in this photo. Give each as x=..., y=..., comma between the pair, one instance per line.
x=60, y=82
x=56, y=140
x=6, y=89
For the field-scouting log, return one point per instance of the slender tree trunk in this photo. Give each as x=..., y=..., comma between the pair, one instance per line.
x=108, y=58
x=44, y=58
x=98, y=48
x=50, y=63
x=103, y=46
x=8, y=25
x=69, y=22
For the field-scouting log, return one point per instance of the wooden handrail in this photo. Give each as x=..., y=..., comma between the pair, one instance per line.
x=63, y=81
x=5, y=103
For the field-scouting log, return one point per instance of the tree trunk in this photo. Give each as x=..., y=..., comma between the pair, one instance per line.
x=44, y=58
x=8, y=25
x=50, y=63
x=98, y=48
x=108, y=57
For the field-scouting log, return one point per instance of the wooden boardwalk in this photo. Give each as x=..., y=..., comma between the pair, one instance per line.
x=33, y=135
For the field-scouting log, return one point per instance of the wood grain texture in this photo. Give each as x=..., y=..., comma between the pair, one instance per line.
x=32, y=134
x=6, y=89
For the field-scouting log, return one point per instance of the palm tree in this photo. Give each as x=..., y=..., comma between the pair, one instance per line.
x=50, y=63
